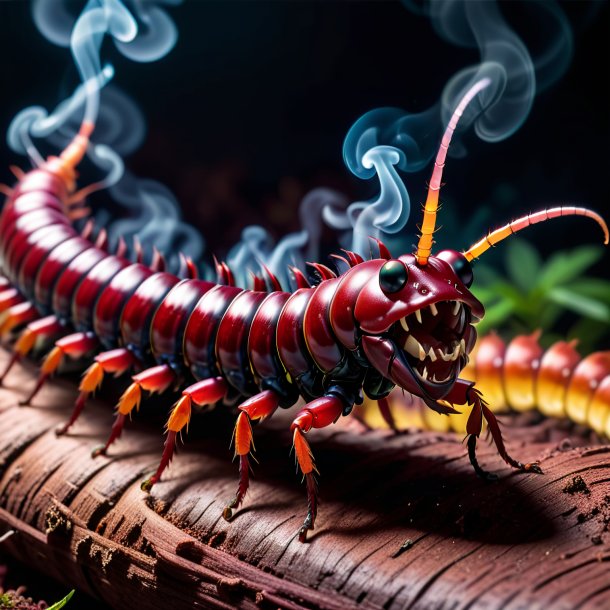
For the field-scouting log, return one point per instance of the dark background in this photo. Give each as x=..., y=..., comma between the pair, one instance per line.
x=250, y=109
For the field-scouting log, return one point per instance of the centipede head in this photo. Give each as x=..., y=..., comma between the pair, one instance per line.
x=415, y=323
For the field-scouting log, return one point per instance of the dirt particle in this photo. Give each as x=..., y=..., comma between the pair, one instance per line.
x=597, y=540
x=190, y=551
x=576, y=485
x=56, y=522
x=405, y=546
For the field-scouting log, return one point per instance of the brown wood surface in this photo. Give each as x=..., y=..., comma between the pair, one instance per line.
x=404, y=523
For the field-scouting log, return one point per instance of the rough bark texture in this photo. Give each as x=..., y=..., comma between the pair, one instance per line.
x=404, y=523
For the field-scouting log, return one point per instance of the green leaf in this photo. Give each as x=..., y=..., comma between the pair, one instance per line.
x=484, y=275
x=567, y=266
x=523, y=264
x=495, y=316
x=592, y=287
x=62, y=602
x=585, y=306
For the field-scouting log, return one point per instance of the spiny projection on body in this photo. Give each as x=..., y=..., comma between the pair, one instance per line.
x=386, y=322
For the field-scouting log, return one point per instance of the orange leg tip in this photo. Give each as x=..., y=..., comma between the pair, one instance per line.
x=92, y=379
x=243, y=435
x=130, y=399
x=52, y=361
x=25, y=343
x=180, y=415
x=303, y=453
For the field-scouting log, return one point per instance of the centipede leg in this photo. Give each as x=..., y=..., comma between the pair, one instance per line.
x=156, y=379
x=386, y=413
x=15, y=316
x=8, y=297
x=44, y=329
x=75, y=346
x=317, y=414
x=116, y=361
x=474, y=425
x=205, y=392
x=496, y=434
x=257, y=408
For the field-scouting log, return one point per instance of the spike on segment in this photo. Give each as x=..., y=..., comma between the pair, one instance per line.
x=17, y=172
x=353, y=258
x=121, y=248
x=275, y=283
x=102, y=240
x=383, y=249
x=324, y=272
x=137, y=249
x=87, y=231
x=188, y=269
x=258, y=283
x=491, y=239
x=300, y=278
x=158, y=261
x=224, y=275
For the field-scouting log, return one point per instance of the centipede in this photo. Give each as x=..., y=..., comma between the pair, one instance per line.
x=388, y=322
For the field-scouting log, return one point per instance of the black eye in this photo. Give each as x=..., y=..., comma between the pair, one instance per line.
x=463, y=269
x=393, y=277
x=460, y=265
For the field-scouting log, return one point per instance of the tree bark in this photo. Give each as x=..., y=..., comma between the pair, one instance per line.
x=404, y=522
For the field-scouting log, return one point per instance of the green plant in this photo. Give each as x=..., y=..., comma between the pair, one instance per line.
x=536, y=295
x=62, y=602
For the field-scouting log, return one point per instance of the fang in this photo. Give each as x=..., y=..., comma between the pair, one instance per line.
x=433, y=309
x=456, y=308
x=418, y=315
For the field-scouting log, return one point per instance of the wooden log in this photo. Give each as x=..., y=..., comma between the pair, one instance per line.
x=404, y=522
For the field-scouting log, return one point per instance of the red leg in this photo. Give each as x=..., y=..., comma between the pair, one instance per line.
x=8, y=297
x=386, y=413
x=155, y=379
x=35, y=332
x=317, y=414
x=15, y=316
x=75, y=346
x=258, y=407
x=464, y=392
x=116, y=361
x=206, y=392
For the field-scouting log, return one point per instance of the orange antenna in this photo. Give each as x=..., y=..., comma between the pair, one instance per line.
x=424, y=246
x=530, y=219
